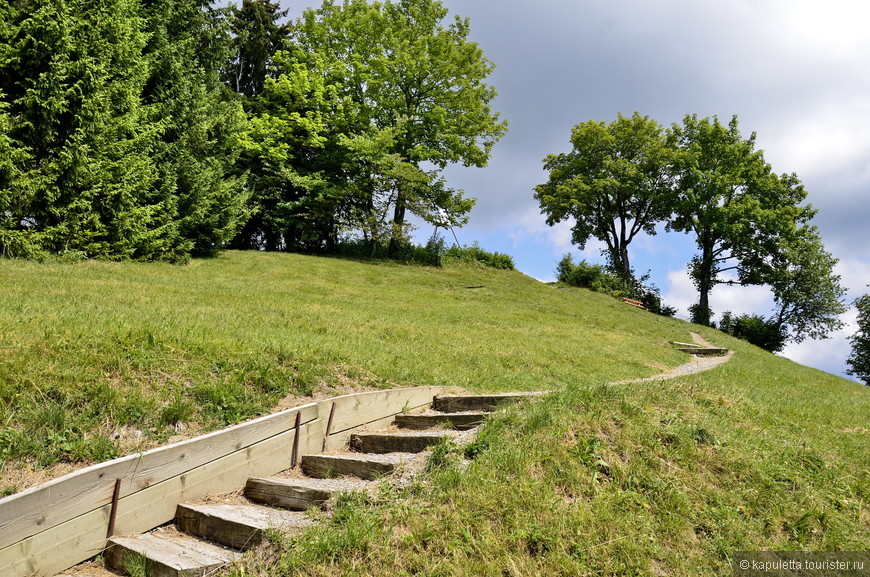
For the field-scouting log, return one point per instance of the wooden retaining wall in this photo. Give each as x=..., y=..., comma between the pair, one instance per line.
x=47, y=529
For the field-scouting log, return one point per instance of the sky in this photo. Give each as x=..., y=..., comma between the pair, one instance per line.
x=796, y=72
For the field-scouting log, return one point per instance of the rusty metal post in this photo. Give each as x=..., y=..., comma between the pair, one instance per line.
x=295, y=456
x=328, y=426
x=115, y=496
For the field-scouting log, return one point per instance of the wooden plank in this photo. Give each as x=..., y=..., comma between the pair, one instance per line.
x=170, y=556
x=58, y=501
x=298, y=494
x=405, y=442
x=459, y=421
x=363, y=466
x=237, y=526
x=360, y=408
x=460, y=403
x=62, y=546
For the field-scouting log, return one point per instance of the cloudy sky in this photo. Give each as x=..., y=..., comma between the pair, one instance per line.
x=796, y=72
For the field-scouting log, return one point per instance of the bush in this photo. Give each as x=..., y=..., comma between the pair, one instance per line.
x=432, y=254
x=761, y=332
x=474, y=253
x=599, y=279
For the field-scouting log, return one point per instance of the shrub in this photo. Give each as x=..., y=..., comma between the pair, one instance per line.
x=761, y=332
x=474, y=253
x=599, y=279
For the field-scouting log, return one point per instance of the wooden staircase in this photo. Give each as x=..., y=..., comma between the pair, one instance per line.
x=206, y=537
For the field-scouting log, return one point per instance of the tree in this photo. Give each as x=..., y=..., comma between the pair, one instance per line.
x=257, y=36
x=807, y=294
x=859, y=360
x=614, y=183
x=120, y=137
x=70, y=77
x=399, y=68
x=737, y=208
x=203, y=200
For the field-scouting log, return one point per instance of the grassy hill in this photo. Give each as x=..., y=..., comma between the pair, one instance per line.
x=643, y=479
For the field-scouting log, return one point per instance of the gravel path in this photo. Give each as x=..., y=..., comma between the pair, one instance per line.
x=698, y=364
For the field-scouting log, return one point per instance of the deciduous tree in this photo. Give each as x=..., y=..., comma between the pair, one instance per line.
x=614, y=183
x=738, y=210
x=807, y=294
x=402, y=67
x=859, y=360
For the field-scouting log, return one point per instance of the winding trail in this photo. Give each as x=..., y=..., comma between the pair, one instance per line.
x=698, y=364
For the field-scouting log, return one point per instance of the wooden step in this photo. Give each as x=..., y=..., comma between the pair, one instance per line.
x=403, y=442
x=703, y=350
x=460, y=403
x=169, y=555
x=459, y=421
x=362, y=466
x=237, y=526
x=298, y=494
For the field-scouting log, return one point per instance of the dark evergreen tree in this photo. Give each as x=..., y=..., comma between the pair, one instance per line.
x=201, y=127
x=859, y=360
x=77, y=172
x=257, y=35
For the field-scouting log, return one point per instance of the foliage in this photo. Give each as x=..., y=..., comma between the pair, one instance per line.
x=614, y=183
x=411, y=91
x=859, y=360
x=117, y=136
x=601, y=279
x=807, y=294
x=761, y=332
x=257, y=36
x=71, y=74
x=738, y=209
x=196, y=154
x=473, y=253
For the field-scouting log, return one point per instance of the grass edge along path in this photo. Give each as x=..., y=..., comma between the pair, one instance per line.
x=648, y=479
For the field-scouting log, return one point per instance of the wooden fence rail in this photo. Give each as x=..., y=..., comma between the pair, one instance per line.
x=49, y=528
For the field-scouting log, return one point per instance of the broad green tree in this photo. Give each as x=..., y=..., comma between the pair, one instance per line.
x=737, y=208
x=615, y=183
x=405, y=73
x=290, y=153
x=859, y=360
x=807, y=294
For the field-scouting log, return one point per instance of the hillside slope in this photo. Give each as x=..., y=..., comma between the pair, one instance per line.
x=667, y=477
x=99, y=358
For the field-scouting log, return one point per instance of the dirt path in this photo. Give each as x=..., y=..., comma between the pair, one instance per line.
x=698, y=364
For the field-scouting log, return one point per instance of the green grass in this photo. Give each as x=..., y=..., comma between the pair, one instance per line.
x=647, y=479
x=90, y=349
x=656, y=478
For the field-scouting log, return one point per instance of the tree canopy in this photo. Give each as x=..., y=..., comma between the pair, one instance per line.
x=412, y=93
x=614, y=183
x=859, y=360
x=739, y=211
x=119, y=137
x=703, y=178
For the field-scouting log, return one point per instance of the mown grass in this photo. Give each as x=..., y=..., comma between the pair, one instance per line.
x=97, y=356
x=647, y=479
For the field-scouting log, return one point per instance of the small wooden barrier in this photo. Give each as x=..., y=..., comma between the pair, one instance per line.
x=47, y=529
x=633, y=303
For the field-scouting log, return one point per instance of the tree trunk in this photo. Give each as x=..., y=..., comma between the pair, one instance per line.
x=398, y=222
x=703, y=274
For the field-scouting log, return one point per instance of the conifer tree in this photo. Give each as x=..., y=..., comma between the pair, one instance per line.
x=70, y=77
